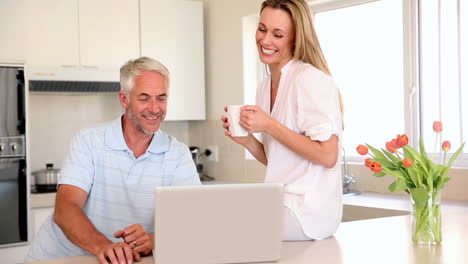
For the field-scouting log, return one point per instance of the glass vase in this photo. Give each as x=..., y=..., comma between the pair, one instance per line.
x=426, y=220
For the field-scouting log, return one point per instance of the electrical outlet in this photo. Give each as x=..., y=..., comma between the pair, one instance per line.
x=214, y=153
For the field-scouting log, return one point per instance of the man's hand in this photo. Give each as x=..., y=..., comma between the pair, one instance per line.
x=137, y=238
x=117, y=253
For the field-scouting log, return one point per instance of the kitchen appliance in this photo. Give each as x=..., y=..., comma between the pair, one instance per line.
x=46, y=179
x=73, y=79
x=196, y=155
x=13, y=180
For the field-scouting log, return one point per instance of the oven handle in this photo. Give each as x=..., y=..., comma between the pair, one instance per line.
x=22, y=200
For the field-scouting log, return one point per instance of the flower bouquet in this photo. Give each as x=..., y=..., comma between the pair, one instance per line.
x=417, y=174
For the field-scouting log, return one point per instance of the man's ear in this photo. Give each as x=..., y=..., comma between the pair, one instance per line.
x=124, y=99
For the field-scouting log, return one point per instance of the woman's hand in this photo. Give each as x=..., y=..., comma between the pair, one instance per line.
x=240, y=140
x=137, y=238
x=254, y=119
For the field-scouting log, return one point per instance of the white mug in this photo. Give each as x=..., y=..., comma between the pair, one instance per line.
x=233, y=112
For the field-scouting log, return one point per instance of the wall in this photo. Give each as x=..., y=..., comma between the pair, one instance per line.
x=55, y=118
x=224, y=86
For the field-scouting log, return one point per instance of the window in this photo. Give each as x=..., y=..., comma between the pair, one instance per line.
x=409, y=58
x=444, y=71
x=363, y=45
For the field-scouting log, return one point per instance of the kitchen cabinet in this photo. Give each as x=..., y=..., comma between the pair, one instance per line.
x=87, y=34
x=52, y=36
x=16, y=254
x=82, y=33
x=109, y=32
x=12, y=30
x=172, y=32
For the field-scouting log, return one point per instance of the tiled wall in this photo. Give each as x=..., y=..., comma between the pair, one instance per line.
x=231, y=165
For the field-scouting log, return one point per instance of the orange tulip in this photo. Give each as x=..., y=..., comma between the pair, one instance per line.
x=407, y=162
x=437, y=126
x=390, y=147
x=368, y=162
x=376, y=167
x=446, y=146
x=363, y=150
x=402, y=140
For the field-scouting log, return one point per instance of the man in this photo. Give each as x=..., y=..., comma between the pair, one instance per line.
x=105, y=198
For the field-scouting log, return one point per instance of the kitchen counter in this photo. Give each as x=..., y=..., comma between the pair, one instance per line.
x=367, y=199
x=382, y=240
x=42, y=200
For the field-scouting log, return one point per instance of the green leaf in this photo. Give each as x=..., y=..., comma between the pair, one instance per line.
x=422, y=149
x=395, y=173
x=398, y=185
x=430, y=182
x=416, y=157
x=455, y=155
x=385, y=163
x=392, y=157
x=414, y=176
x=380, y=174
x=420, y=197
x=376, y=152
x=434, y=174
x=442, y=183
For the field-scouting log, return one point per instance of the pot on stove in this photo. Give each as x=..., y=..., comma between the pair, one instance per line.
x=46, y=179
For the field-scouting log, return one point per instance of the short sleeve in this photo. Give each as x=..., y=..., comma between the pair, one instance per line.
x=319, y=114
x=78, y=169
x=185, y=172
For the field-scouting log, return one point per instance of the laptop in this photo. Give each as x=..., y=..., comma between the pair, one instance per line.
x=224, y=223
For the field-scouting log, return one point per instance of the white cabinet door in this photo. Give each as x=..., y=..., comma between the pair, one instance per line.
x=13, y=255
x=16, y=254
x=109, y=34
x=12, y=31
x=172, y=32
x=52, y=33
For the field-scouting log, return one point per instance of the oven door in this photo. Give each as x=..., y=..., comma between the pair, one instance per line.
x=13, y=201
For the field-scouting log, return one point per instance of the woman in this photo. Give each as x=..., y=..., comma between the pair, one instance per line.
x=298, y=111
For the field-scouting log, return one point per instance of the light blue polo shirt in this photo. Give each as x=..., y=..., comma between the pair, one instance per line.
x=120, y=187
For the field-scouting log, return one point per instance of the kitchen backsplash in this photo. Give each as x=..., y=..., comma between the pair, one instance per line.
x=55, y=118
x=232, y=164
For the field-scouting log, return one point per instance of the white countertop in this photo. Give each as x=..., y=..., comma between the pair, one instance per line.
x=398, y=202
x=368, y=199
x=382, y=240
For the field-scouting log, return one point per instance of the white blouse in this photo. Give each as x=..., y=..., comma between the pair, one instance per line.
x=307, y=102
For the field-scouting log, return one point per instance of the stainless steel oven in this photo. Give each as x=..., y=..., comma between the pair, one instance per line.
x=13, y=177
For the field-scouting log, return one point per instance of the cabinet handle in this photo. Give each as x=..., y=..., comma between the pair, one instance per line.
x=89, y=66
x=68, y=66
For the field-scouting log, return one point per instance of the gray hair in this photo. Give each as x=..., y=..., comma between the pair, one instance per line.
x=135, y=67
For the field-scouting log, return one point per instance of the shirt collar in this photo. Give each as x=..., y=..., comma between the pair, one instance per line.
x=114, y=138
x=285, y=68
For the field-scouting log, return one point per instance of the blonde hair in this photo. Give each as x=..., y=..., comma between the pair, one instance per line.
x=135, y=67
x=306, y=44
